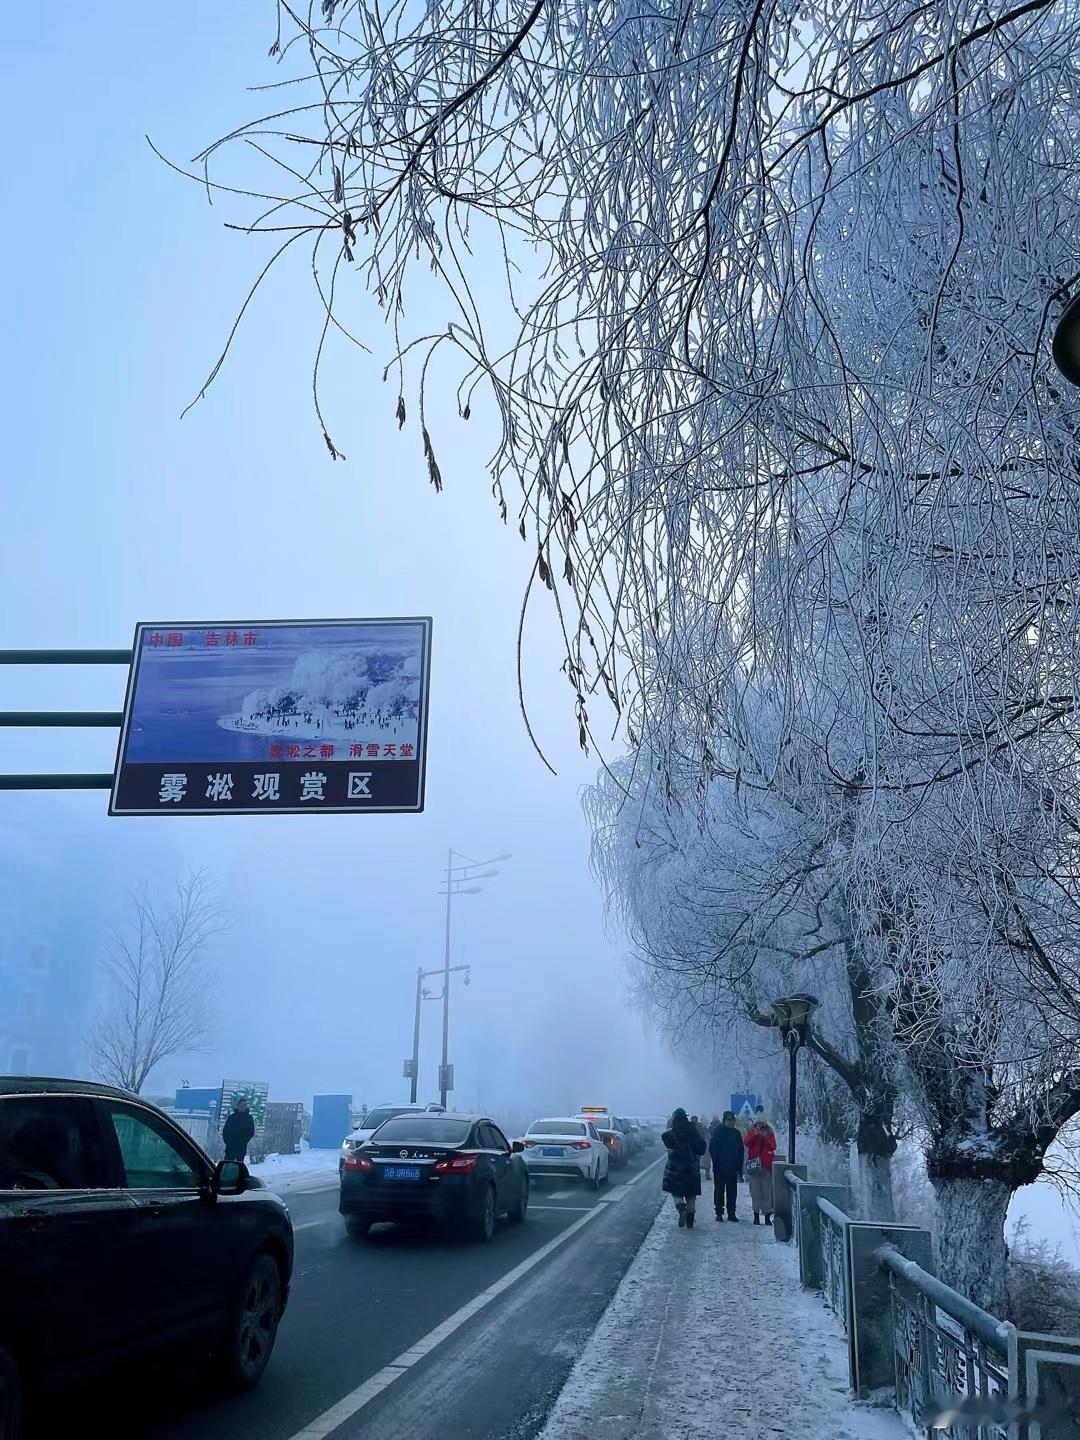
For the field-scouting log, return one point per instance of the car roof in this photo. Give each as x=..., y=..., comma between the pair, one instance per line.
x=401, y=1109
x=549, y=1119
x=52, y=1085
x=445, y=1115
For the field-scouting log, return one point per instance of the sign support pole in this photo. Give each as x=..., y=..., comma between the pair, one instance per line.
x=61, y=719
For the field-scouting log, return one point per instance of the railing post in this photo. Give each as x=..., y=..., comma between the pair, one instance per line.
x=808, y=1227
x=1048, y=1377
x=871, y=1344
x=783, y=1198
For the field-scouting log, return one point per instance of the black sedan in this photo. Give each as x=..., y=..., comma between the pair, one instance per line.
x=118, y=1235
x=457, y=1169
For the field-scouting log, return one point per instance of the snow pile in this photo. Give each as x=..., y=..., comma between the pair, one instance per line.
x=287, y=1172
x=708, y=1335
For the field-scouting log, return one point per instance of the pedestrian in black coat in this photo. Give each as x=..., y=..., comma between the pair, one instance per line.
x=727, y=1153
x=237, y=1131
x=682, y=1173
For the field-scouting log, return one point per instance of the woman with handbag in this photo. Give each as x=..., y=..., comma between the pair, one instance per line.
x=760, y=1151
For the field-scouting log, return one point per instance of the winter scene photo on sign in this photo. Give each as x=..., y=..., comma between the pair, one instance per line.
x=275, y=708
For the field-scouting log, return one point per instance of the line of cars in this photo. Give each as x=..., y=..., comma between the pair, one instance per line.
x=414, y=1162
x=588, y=1145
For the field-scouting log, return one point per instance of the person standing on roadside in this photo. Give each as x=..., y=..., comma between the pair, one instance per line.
x=237, y=1131
x=682, y=1172
x=760, y=1150
x=726, y=1149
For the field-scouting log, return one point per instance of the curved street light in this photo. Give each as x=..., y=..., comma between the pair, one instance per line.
x=792, y=1015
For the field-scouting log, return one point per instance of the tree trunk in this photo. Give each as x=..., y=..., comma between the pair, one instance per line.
x=874, y=1187
x=969, y=1239
x=876, y=1146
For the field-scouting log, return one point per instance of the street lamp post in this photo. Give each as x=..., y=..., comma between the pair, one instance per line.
x=792, y=1015
x=458, y=878
x=412, y=1066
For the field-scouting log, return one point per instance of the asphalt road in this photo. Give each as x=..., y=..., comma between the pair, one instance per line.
x=411, y=1333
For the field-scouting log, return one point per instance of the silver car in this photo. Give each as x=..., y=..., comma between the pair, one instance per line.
x=562, y=1145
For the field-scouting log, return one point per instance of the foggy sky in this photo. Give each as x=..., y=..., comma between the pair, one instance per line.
x=120, y=288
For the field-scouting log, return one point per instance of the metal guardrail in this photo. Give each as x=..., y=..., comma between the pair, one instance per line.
x=943, y=1345
x=834, y=1261
x=956, y=1371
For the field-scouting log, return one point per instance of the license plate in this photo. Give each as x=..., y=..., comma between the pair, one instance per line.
x=551, y=1150
x=401, y=1172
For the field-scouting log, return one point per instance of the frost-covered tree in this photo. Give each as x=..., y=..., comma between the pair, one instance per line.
x=747, y=250
x=740, y=891
x=774, y=385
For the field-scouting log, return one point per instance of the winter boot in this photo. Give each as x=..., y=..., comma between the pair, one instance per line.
x=719, y=1217
x=768, y=1219
x=682, y=1215
x=756, y=1218
x=690, y=1220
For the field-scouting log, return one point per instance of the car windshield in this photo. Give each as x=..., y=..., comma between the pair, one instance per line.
x=556, y=1127
x=380, y=1117
x=426, y=1129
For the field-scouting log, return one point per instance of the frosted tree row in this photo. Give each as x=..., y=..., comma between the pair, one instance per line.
x=757, y=297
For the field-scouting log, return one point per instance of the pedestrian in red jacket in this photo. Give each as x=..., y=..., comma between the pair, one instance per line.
x=760, y=1149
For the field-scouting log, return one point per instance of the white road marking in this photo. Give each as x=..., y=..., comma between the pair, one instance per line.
x=642, y=1173
x=363, y=1395
x=310, y=1224
x=562, y=1209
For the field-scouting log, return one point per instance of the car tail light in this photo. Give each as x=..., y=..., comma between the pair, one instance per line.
x=357, y=1162
x=529, y=1142
x=582, y=1144
x=456, y=1165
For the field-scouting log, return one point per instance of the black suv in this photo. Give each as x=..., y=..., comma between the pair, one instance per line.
x=119, y=1235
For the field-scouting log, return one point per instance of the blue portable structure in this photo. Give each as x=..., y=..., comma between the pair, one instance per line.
x=201, y=1100
x=331, y=1121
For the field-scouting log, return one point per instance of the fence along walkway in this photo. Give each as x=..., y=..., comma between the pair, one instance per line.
x=954, y=1370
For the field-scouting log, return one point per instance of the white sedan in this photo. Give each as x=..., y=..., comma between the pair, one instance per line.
x=564, y=1146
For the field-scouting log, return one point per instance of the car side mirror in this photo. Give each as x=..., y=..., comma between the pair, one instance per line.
x=230, y=1177
x=518, y=1147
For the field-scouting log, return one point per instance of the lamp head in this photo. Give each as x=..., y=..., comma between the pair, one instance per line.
x=794, y=1013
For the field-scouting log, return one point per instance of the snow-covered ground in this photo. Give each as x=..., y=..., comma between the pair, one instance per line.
x=709, y=1335
x=310, y=1170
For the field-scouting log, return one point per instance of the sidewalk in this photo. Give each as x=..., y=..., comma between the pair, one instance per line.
x=709, y=1334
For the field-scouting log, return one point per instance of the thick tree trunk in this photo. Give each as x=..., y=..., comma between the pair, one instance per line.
x=969, y=1237
x=874, y=1188
x=876, y=1146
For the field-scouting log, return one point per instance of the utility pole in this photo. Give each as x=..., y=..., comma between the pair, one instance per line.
x=416, y=1036
x=444, y=1073
x=458, y=882
x=412, y=1065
